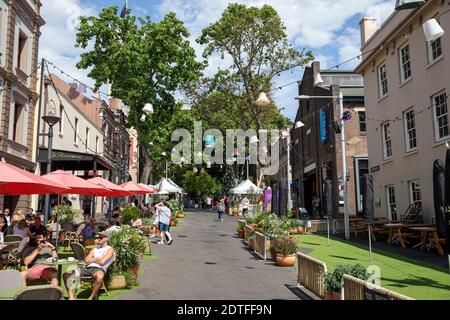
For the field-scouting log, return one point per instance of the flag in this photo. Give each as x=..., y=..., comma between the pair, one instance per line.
x=124, y=10
x=81, y=88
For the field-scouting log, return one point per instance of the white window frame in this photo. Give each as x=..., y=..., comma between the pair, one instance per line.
x=385, y=141
x=430, y=50
x=75, y=138
x=410, y=131
x=382, y=80
x=405, y=65
x=87, y=138
x=411, y=192
x=435, y=118
x=61, y=121
x=389, y=203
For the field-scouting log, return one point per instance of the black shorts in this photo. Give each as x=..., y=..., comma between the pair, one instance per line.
x=89, y=271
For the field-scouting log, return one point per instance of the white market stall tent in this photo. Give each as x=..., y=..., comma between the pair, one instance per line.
x=246, y=187
x=167, y=185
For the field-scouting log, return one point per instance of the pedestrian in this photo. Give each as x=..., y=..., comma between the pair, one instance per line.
x=316, y=206
x=67, y=202
x=221, y=209
x=155, y=225
x=208, y=202
x=245, y=205
x=87, y=205
x=164, y=215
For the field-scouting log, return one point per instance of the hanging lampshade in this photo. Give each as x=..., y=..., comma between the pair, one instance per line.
x=143, y=117
x=346, y=116
x=262, y=99
x=254, y=139
x=164, y=153
x=299, y=124
x=432, y=30
x=148, y=108
x=284, y=134
x=408, y=4
x=318, y=79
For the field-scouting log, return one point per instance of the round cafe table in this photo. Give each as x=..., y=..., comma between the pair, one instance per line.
x=60, y=263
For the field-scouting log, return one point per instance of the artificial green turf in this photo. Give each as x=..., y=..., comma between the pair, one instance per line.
x=409, y=277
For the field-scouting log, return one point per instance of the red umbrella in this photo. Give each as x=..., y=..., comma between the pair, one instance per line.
x=15, y=181
x=134, y=188
x=76, y=184
x=116, y=191
x=150, y=189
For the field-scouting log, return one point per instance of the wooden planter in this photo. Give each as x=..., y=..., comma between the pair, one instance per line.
x=332, y=295
x=285, y=261
x=241, y=234
x=236, y=213
x=251, y=244
x=117, y=282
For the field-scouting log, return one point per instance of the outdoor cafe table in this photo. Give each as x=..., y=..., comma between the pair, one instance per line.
x=429, y=233
x=60, y=264
x=395, y=230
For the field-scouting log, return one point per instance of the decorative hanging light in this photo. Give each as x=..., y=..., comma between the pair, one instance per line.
x=408, y=4
x=318, y=81
x=432, y=30
x=262, y=100
x=148, y=108
x=299, y=124
x=346, y=116
x=143, y=117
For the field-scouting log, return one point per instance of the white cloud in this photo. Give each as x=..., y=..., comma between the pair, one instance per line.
x=381, y=11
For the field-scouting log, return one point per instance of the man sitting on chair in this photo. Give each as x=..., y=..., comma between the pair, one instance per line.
x=35, y=259
x=98, y=261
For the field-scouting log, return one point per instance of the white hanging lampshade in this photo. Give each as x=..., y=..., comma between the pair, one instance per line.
x=408, y=4
x=143, y=117
x=299, y=124
x=284, y=134
x=262, y=100
x=148, y=108
x=318, y=79
x=432, y=30
x=164, y=153
x=254, y=139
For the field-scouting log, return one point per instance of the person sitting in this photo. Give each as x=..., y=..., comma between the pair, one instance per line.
x=38, y=227
x=35, y=257
x=29, y=217
x=98, y=261
x=3, y=224
x=22, y=229
x=89, y=231
x=136, y=223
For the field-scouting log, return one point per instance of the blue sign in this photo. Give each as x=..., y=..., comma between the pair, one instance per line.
x=324, y=136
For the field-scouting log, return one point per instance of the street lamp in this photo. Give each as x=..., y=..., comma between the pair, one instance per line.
x=51, y=120
x=343, y=117
x=286, y=135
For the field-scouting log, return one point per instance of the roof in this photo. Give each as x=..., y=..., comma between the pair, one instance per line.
x=352, y=91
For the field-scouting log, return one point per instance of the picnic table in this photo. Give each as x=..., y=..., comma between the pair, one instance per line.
x=429, y=234
x=396, y=235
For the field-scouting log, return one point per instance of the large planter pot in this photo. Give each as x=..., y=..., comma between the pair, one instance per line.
x=301, y=230
x=285, y=261
x=293, y=231
x=273, y=254
x=180, y=215
x=251, y=244
x=117, y=282
x=236, y=213
x=135, y=271
x=241, y=234
x=332, y=295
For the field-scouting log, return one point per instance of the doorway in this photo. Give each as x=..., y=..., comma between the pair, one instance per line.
x=310, y=190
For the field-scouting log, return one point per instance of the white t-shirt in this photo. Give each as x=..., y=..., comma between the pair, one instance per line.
x=208, y=201
x=164, y=215
x=100, y=252
x=245, y=203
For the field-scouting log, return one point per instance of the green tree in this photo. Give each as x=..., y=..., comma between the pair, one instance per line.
x=201, y=184
x=145, y=62
x=228, y=180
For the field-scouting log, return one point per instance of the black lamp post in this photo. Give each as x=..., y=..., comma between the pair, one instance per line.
x=51, y=121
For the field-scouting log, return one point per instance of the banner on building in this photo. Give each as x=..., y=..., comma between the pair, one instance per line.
x=324, y=136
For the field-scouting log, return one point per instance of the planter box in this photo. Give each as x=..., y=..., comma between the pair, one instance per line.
x=285, y=261
x=117, y=282
x=332, y=295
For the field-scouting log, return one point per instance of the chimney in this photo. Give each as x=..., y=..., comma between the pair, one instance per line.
x=114, y=103
x=368, y=26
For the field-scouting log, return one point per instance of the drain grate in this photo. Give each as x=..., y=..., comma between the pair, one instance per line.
x=210, y=263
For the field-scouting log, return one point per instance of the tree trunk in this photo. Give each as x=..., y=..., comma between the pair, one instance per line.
x=147, y=167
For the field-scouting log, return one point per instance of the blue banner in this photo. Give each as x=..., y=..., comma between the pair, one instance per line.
x=324, y=126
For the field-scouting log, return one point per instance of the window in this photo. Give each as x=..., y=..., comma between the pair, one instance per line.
x=387, y=141
x=405, y=63
x=17, y=123
x=415, y=192
x=410, y=130
x=434, y=50
x=75, y=135
x=61, y=115
x=87, y=139
x=382, y=80
x=439, y=102
x=392, y=206
x=362, y=121
x=96, y=144
x=22, y=50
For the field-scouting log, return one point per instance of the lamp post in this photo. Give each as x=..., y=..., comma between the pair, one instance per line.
x=286, y=135
x=51, y=120
x=343, y=152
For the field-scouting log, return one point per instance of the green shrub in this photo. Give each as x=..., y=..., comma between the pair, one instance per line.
x=285, y=245
x=130, y=213
x=240, y=227
x=334, y=280
x=65, y=214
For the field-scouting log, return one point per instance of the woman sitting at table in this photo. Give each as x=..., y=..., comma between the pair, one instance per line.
x=22, y=229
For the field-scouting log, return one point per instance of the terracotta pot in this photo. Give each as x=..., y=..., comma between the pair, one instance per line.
x=332, y=295
x=285, y=261
x=301, y=230
x=180, y=215
x=251, y=245
x=293, y=230
x=117, y=282
x=241, y=234
x=273, y=254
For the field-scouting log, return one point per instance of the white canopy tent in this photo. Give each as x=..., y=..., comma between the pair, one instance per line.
x=167, y=185
x=246, y=187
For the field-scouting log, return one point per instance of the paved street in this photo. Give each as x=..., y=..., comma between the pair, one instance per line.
x=208, y=261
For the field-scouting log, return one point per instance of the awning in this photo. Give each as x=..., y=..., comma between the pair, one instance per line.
x=73, y=161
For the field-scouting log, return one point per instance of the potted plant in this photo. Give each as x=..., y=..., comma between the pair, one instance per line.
x=285, y=248
x=251, y=241
x=240, y=231
x=333, y=281
x=66, y=217
x=130, y=213
x=174, y=221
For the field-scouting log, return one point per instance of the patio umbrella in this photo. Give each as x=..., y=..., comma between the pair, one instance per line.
x=134, y=188
x=447, y=202
x=76, y=184
x=368, y=209
x=150, y=189
x=114, y=189
x=439, y=194
x=15, y=181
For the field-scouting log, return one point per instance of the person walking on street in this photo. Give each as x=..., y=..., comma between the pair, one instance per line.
x=164, y=215
x=208, y=202
x=316, y=206
x=245, y=204
x=221, y=209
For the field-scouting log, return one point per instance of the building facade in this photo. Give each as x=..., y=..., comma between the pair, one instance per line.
x=316, y=148
x=20, y=24
x=407, y=82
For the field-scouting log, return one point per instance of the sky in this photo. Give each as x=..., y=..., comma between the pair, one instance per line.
x=329, y=28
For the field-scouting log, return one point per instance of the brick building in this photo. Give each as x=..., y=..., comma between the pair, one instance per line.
x=316, y=149
x=20, y=24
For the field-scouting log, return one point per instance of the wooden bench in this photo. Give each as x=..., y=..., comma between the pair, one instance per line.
x=310, y=274
x=357, y=289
